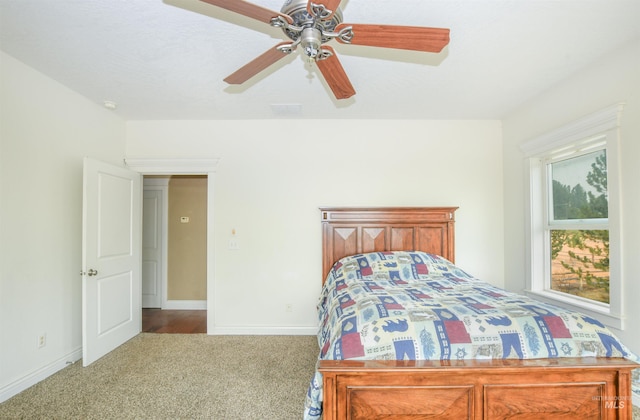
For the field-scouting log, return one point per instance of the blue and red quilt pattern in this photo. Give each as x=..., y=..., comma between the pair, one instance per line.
x=418, y=306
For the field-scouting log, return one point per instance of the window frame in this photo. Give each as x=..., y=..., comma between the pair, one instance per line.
x=590, y=132
x=598, y=143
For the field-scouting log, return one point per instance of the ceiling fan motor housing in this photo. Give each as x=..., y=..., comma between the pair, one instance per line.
x=311, y=40
x=297, y=10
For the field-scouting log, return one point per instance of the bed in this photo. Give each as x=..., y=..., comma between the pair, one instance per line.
x=406, y=334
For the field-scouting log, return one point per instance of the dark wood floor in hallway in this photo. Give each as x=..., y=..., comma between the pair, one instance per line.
x=174, y=321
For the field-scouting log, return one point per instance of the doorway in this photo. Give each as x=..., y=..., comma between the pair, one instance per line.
x=188, y=166
x=174, y=255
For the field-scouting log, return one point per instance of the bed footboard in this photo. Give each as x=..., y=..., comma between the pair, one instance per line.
x=588, y=388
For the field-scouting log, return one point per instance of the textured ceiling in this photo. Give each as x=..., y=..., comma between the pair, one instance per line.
x=167, y=59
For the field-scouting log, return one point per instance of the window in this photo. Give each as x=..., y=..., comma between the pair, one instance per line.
x=577, y=228
x=573, y=240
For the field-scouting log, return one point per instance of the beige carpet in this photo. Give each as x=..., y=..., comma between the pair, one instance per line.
x=175, y=376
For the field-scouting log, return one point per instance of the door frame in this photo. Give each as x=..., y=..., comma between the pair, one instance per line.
x=208, y=167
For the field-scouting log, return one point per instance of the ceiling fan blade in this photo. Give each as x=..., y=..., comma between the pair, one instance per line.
x=255, y=66
x=335, y=75
x=248, y=9
x=416, y=38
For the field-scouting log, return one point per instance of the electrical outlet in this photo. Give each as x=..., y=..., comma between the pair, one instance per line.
x=42, y=340
x=288, y=307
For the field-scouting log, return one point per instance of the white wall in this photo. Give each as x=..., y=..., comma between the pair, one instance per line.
x=274, y=174
x=613, y=79
x=46, y=130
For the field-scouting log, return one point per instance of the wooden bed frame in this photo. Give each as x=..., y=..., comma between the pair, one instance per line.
x=580, y=388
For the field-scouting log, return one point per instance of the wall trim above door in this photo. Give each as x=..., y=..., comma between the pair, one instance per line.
x=185, y=166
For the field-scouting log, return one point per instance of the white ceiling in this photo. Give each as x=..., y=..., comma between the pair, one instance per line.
x=167, y=59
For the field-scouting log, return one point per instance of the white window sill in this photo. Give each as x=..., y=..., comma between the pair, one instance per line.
x=598, y=311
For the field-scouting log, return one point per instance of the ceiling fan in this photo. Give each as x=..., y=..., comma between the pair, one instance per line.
x=311, y=25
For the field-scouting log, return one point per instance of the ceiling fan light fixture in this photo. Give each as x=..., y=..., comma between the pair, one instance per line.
x=311, y=41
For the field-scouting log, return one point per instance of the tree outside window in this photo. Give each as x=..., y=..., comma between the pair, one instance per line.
x=579, y=250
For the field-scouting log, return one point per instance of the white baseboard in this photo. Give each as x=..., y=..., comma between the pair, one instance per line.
x=185, y=305
x=38, y=375
x=262, y=330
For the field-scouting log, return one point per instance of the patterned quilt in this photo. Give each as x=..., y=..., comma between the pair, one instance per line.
x=413, y=305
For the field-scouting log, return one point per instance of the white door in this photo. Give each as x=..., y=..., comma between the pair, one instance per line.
x=152, y=241
x=111, y=258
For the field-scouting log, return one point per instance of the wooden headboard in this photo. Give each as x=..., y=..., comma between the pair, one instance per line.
x=348, y=231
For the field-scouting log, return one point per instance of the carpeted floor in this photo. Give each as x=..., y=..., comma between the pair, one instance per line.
x=175, y=376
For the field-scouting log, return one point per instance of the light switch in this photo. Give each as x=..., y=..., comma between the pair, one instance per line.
x=184, y=219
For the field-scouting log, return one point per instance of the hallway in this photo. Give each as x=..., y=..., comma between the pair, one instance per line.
x=174, y=321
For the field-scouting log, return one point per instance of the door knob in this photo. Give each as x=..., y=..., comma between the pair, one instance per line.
x=91, y=272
